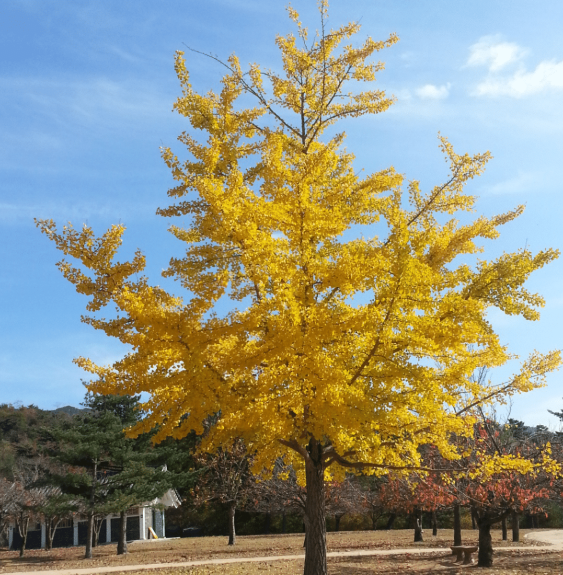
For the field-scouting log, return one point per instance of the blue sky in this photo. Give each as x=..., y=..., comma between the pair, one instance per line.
x=86, y=91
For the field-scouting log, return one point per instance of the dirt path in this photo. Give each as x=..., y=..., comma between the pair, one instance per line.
x=553, y=540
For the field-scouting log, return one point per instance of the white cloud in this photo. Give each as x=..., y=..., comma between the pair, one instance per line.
x=432, y=92
x=491, y=52
x=496, y=55
x=548, y=75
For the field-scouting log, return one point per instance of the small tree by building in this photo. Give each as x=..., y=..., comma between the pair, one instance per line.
x=27, y=497
x=225, y=478
x=8, y=504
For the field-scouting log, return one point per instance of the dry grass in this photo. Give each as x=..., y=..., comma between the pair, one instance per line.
x=193, y=549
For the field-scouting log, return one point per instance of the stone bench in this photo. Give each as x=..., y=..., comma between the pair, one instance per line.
x=464, y=551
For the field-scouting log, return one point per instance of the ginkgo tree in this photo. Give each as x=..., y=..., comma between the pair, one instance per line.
x=353, y=330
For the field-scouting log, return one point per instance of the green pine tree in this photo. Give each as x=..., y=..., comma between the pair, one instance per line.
x=87, y=445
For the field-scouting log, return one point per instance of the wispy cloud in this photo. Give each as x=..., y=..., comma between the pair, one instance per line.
x=37, y=139
x=408, y=57
x=49, y=368
x=554, y=302
x=123, y=54
x=523, y=182
x=78, y=211
x=498, y=319
x=45, y=119
x=433, y=92
x=547, y=76
x=491, y=52
x=402, y=94
x=95, y=100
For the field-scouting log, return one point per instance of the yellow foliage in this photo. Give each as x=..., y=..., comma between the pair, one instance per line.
x=366, y=344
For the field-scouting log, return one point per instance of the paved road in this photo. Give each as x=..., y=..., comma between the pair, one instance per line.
x=554, y=540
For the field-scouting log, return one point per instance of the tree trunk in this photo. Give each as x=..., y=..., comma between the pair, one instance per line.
x=515, y=527
x=90, y=514
x=267, y=523
x=390, y=521
x=23, y=544
x=418, y=526
x=232, y=533
x=315, y=519
x=374, y=519
x=283, y=522
x=485, y=544
x=89, y=534
x=50, y=528
x=457, y=526
x=95, y=533
x=504, y=530
x=122, y=541
x=98, y=522
x=337, y=519
x=48, y=535
x=473, y=519
x=23, y=528
x=434, y=524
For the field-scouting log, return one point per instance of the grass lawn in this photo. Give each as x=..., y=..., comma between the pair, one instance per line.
x=528, y=561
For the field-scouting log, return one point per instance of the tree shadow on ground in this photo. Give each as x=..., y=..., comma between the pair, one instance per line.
x=550, y=564
x=393, y=565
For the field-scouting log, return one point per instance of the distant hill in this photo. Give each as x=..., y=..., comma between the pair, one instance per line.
x=69, y=410
x=21, y=431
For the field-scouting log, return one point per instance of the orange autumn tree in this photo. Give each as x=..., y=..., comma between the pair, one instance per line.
x=341, y=351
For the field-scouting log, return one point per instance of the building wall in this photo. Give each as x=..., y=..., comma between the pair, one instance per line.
x=148, y=522
x=66, y=536
x=133, y=524
x=158, y=522
x=33, y=539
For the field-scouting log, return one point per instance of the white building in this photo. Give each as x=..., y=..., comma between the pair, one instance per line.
x=143, y=522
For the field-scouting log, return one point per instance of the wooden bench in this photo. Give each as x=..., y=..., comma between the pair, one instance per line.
x=464, y=551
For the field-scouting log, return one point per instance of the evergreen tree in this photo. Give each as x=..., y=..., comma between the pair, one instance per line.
x=558, y=414
x=135, y=473
x=88, y=443
x=108, y=472
x=516, y=428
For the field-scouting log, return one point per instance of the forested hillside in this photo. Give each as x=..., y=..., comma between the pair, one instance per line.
x=22, y=433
